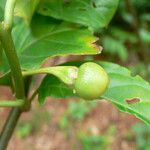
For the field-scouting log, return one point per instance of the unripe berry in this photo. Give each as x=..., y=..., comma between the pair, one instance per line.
x=91, y=82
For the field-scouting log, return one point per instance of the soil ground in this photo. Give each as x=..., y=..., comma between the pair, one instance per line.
x=50, y=137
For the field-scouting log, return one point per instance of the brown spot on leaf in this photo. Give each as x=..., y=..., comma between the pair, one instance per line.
x=132, y=100
x=97, y=46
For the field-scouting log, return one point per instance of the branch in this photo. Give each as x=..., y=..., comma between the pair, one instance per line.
x=9, y=14
x=9, y=49
x=13, y=103
x=9, y=127
x=1, y=53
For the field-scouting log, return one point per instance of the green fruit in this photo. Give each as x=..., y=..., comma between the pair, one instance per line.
x=92, y=81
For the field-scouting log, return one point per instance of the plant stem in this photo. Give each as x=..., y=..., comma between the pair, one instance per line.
x=9, y=13
x=9, y=48
x=14, y=103
x=1, y=53
x=9, y=127
x=8, y=45
x=33, y=95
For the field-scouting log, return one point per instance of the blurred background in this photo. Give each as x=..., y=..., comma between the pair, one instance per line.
x=73, y=124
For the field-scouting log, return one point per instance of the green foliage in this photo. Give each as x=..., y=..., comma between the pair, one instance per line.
x=51, y=39
x=145, y=35
x=115, y=47
x=45, y=33
x=1, y=14
x=5, y=79
x=51, y=86
x=45, y=29
x=96, y=142
x=117, y=38
x=140, y=69
x=2, y=5
x=135, y=101
x=24, y=130
x=142, y=136
x=129, y=32
x=122, y=36
x=26, y=9
x=23, y=8
x=58, y=28
x=89, y=142
x=78, y=110
x=120, y=82
x=94, y=14
x=1, y=53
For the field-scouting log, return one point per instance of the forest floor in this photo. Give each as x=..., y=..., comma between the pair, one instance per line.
x=41, y=130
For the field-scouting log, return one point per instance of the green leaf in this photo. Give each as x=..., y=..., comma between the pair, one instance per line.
x=115, y=47
x=23, y=8
x=4, y=66
x=66, y=74
x=1, y=53
x=26, y=9
x=145, y=17
x=123, y=35
x=92, y=13
x=145, y=35
x=51, y=86
x=2, y=5
x=3, y=63
x=130, y=94
x=5, y=79
x=1, y=14
x=49, y=38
